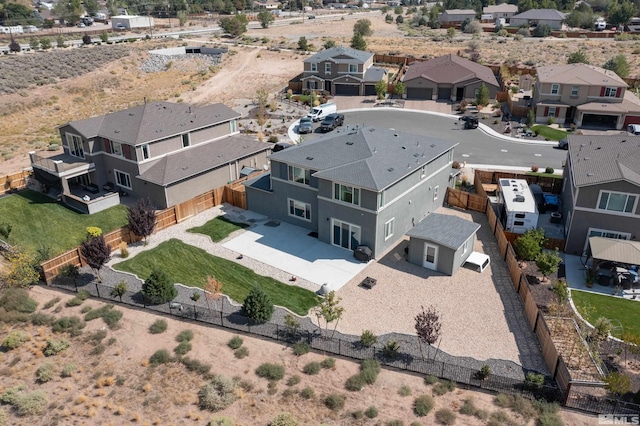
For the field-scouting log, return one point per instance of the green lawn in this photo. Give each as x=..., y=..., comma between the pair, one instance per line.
x=190, y=266
x=549, y=132
x=593, y=306
x=36, y=220
x=218, y=228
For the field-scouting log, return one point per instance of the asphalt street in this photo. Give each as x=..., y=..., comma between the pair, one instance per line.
x=474, y=146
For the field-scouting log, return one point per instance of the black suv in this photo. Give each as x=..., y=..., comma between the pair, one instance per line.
x=469, y=122
x=331, y=121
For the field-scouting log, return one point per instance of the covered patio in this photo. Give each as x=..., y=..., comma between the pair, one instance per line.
x=616, y=263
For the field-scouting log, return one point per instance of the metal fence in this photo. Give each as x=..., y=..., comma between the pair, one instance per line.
x=353, y=349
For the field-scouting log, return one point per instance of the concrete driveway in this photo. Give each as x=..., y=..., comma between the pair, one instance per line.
x=290, y=248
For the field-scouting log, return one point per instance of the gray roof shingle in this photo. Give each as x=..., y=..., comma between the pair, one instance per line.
x=445, y=230
x=542, y=14
x=367, y=157
x=353, y=56
x=153, y=121
x=202, y=158
x=450, y=69
x=598, y=159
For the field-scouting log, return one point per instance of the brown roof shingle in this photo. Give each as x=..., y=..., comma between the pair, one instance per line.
x=450, y=69
x=579, y=74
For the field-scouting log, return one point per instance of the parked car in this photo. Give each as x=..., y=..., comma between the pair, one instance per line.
x=81, y=25
x=280, y=146
x=470, y=122
x=120, y=26
x=305, y=126
x=563, y=144
x=634, y=129
x=331, y=121
x=311, y=17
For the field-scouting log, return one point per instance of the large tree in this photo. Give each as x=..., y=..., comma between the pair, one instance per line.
x=266, y=18
x=620, y=13
x=142, y=218
x=362, y=27
x=236, y=25
x=96, y=252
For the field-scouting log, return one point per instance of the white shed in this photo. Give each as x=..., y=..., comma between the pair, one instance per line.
x=131, y=22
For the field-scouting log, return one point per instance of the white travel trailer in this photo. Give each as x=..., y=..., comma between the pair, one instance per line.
x=518, y=209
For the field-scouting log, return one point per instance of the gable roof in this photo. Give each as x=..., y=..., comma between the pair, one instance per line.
x=201, y=158
x=541, y=14
x=443, y=229
x=152, y=121
x=367, y=157
x=460, y=12
x=349, y=55
x=450, y=69
x=579, y=74
x=504, y=7
x=599, y=159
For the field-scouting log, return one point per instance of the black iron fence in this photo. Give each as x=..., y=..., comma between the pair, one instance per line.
x=600, y=405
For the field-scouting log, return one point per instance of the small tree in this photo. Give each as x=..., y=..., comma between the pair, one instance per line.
x=362, y=27
x=86, y=39
x=158, y=288
x=303, y=44
x=266, y=18
x=330, y=310
x=257, y=305
x=60, y=42
x=45, y=43
x=547, y=262
x=577, y=57
x=213, y=292
x=428, y=327
x=531, y=118
x=542, y=30
x=236, y=25
x=262, y=100
x=451, y=33
x=529, y=245
x=357, y=42
x=34, y=43
x=483, y=95
x=96, y=252
x=329, y=44
x=14, y=46
x=119, y=290
x=104, y=37
x=473, y=27
x=400, y=88
x=619, y=65
x=616, y=383
x=381, y=89
x=142, y=218
x=182, y=17
x=561, y=290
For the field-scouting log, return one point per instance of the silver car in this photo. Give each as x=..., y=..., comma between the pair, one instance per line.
x=305, y=126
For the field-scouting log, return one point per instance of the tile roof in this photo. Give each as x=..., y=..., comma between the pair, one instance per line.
x=201, y=158
x=450, y=69
x=152, y=121
x=543, y=14
x=598, y=159
x=579, y=74
x=443, y=229
x=353, y=56
x=373, y=158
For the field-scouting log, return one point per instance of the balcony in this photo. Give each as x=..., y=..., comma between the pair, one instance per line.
x=60, y=164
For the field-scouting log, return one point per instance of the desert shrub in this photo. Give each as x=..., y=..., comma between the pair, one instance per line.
x=72, y=325
x=501, y=400
x=235, y=342
x=40, y=318
x=293, y=380
x=51, y=303
x=68, y=370
x=443, y=387
x=270, y=371
x=328, y=363
x=468, y=407
x=217, y=394
x=430, y=379
x=15, y=339
x=549, y=170
x=86, y=309
x=358, y=414
x=499, y=417
x=112, y=317
x=312, y=368
x=482, y=414
x=158, y=326
x=422, y=405
x=31, y=404
x=55, y=346
x=161, y=356
x=335, y=401
x=284, y=419
x=523, y=32
x=368, y=339
x=221, y=421
x=355, y=383
x=3, y=415
x=390, y=350
x=245, y=385
x=524, y=407
x=445, y=416
x=369, y=369
x=241, y=352
x=534, y=381
x=404, y=390
x=17, y=299
x=45, y=372
x=182, y=348
x=550, y=419
x=195, y=365
x=301, y=348
x=307, y=393
x=483, y=373
x=371, y=412
x=184, y=336
x=395, y=423
x=11, y=395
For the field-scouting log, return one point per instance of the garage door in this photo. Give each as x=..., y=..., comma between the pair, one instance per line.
x=600, y=121
x=369, y=90
x=444, y=93
x=419, y=93
x=347, y=89
x=631, y=119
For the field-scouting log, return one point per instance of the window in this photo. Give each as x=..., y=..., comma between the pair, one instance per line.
x=122, y=179
x=116, y=149
x=327, y=68
x=75, y=145
x=610, y=92
x=314, y=67
x=388, y=228
x=423, y=172
x=555, y=89
x=300, y=209
x=348, y=194
x=466, y=245
x=145, y=151
x=232, y=125
x=617, y=202
x=552, y=112
x=520, y=215
x=299, y=175
x=345, y=234
x=574, y=91
x=186, y=140
x=518, y=223
x=353, y=68
x=435, y=192
x=312, y=85
x=381, y=199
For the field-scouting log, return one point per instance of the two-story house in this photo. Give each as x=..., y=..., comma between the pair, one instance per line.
x=342, y=71
x=585, y=95
x=362, y=186
x=601, y=189
x=168, y=152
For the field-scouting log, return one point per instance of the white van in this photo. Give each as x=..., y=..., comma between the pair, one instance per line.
x=601, y=25
x=321, y=111
x=634, y=129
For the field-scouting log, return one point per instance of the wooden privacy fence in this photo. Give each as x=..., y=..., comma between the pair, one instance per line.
x=15, y=181
x=466, y=200
x=547, y=183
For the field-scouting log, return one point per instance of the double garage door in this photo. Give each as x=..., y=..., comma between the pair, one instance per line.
x=348, y=89
x=419, y=93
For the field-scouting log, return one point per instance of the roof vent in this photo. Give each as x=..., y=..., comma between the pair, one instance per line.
x=433, y=145
x=416, y=155
x=349, y=142
x=131, y=114
x=309, y=158
x=589, y=174
x=623, y=141
x=395, y=134
x=404, y=147
x=390, y=169
x=587, y=158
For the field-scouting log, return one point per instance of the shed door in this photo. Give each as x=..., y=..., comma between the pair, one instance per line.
x=430, y=256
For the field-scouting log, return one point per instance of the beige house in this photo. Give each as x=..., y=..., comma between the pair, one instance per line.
x=498, y=11
x=456, y=16
x=585, y=95
x=167, y=152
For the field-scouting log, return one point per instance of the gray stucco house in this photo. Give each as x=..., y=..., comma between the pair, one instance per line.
x=441, y=242
x=361, y=186
x=534, y=17
x=601, y=189
x=167, y=152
